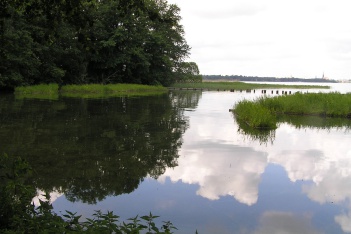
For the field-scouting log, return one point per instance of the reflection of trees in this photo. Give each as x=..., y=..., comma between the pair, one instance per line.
x=264, y=135
x=91, y=148
x=185, y=98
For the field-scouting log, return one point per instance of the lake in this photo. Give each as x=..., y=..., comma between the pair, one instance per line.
x=182, y=156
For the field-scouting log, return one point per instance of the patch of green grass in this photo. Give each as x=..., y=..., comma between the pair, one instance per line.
x=255, y=115
x=263, y=112
x=51, y=91
x=111, y=90
x=43, y=91
x=243, y=86
x=42, y=88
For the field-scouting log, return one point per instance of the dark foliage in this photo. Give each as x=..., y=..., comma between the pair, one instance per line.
x=90, y=41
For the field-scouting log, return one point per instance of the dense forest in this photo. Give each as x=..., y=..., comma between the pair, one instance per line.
x=266, y=79
x=92, y=41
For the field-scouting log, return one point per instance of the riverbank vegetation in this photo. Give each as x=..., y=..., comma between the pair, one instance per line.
x=91, y=41
x=226, y=85
x=265, y=112
x=52, y=91
x=19, y=215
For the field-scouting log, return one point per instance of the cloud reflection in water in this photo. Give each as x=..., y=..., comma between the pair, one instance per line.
x=223, y=163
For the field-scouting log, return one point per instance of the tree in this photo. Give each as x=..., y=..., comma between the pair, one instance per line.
x=188, y=72
x=90, y=41
x=139, y=42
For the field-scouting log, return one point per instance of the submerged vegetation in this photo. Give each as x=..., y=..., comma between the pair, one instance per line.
x=264, y=113
x=242, y=86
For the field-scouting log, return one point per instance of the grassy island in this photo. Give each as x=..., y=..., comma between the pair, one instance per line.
x=264, y=113
x=51, y=91
x=225, y=85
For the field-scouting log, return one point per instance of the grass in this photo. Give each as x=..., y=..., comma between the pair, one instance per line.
x=36, y=89
x=243, y=86
x=51, y=91
x=111, y=90
x=264, y=112
x=43, y=91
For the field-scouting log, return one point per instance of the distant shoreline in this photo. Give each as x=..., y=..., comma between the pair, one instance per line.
x=264, y=79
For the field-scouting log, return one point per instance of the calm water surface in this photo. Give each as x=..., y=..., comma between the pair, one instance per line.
x=182, y=156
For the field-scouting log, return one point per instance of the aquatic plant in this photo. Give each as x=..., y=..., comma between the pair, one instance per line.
x=265, y=112
x=255, y=115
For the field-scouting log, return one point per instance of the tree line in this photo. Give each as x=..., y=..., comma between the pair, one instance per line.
x=92, y=41
x=264, y=78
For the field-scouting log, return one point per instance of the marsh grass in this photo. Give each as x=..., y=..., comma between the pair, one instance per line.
x=43, y=91
x=51, y=91
x=254, y=115
x=243, y=86
x=43, y=88
x=111, y=90
x=263, y=112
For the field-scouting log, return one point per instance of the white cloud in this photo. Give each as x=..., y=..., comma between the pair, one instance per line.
x=269, y=38
x=344, y=221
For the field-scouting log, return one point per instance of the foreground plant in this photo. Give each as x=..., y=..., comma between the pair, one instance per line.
x=19, y=215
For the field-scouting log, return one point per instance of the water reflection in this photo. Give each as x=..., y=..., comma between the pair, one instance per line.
x=284, y=222
x=314, y=153
x=209, y=177
x=221, y=170
x=265, y=136
x=91, y=148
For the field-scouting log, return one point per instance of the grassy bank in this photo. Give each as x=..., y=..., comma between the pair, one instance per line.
x=51, y=91
x=43, y=91
x=111, y=90
x=265, y=112
x=243, y=86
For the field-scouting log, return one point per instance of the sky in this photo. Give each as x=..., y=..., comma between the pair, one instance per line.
x=279, y=38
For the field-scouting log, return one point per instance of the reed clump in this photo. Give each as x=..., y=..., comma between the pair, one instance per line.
x=315, y=104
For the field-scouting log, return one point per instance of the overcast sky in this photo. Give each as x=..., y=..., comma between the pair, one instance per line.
x=300, y=38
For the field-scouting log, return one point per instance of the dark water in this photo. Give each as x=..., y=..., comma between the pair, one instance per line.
x=183, y=156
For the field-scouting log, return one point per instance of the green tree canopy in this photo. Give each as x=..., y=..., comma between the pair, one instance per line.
x=90, y=41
